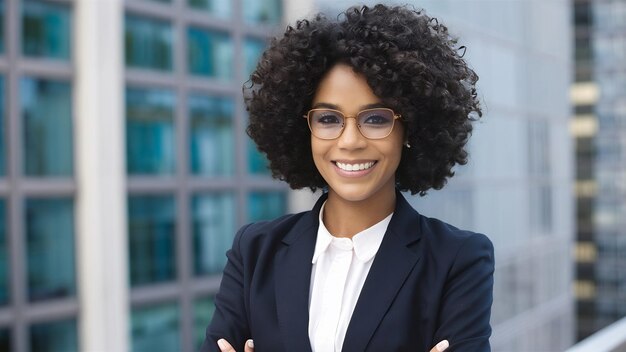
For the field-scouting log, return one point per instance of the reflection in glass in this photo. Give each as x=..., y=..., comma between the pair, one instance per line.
x=213, y=230
x=54, y=336
x=46, y=29
x=266, y=205
x=209, y=53
x=148, y=43
x=155, y=328
x=49, y=227
x=218, y=8
x=257, y=161
x=151, y=232
x=252, y=50
x=150, y=131
x=203, y=309
x=47, y=119
x=212, y=140
x=4, y=258
x=3, y=149
x=262, y=11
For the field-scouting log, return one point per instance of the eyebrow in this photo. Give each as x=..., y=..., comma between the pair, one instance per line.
x=336, y=107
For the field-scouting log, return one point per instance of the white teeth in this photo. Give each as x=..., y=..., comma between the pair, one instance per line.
x=355, y=167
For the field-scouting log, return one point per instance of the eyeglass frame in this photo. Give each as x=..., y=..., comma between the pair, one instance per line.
x=346, y=117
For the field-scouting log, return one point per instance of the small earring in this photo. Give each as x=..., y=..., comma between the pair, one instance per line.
x=407, y=145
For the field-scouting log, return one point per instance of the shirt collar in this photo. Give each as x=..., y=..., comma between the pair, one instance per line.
x=365, y=243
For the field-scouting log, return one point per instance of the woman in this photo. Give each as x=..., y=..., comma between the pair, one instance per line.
x=375, y=103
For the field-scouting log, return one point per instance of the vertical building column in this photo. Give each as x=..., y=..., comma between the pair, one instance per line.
x=304, y=199
x=100, y=154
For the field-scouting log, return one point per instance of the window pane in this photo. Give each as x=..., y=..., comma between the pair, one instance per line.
x=257, y=162
x=50, y=248
x=3, y=148
x=5, y=340
x=212, y=140
x=54, y=336
x=4, y=258
x=150, y=131
x=46, y=29
x=213, y=230
x=218, y=8
x=155, y=328
x=252, y=50
x=266, y=205
x=209, y=53
x=148, y=43
x=203, y=309
x=152, y=233
x=262, y=11
x=47, y=119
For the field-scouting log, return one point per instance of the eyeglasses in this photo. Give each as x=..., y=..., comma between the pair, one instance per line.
x=372, y=123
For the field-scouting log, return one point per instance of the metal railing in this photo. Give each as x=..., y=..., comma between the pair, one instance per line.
x=610, y=339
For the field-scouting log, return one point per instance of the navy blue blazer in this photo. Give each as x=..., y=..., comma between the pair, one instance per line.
x=429, y=281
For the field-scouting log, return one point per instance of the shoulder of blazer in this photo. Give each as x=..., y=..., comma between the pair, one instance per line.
x=443, y=238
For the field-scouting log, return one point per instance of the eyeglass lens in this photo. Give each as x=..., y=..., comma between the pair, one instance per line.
x=373, y=123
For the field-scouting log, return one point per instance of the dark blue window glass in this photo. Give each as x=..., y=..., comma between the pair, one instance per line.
x=257, y=161
x=55, y=336
x=150, y=131
x=148, y=43
x=4, y=258
x=46, y=29
x=203, y=309
x=152, y=232
x=155, y=328
x=217, y=8
x=252, y=50
x=266, y=205
x=209, y=53
x=5, y=340
x=213, y=230
x=212, y=141
x=47, y=127
x=3, y=148
x=49, y=227
x=262, y=11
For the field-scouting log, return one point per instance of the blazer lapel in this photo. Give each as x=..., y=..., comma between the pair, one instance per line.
x=392, y=264
x=292, y=265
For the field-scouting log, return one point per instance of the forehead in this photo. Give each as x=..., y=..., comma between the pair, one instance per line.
x=345, y=89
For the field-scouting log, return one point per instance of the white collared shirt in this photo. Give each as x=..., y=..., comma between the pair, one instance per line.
x=340, y=266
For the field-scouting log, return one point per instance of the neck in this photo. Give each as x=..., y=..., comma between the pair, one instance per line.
x=345, y=218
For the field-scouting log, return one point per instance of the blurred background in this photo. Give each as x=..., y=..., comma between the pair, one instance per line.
x=125, y=169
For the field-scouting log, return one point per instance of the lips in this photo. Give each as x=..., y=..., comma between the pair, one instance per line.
x=354, y=167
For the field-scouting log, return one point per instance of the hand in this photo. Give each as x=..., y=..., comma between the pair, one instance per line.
x=440, y=347
x=226, y=347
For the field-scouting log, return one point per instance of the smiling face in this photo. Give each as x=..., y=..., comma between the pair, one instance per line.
x=355, y=168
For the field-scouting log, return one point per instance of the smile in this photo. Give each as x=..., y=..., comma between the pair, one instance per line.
x=355, y=167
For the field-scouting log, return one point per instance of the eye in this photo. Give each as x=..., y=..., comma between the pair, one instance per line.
x=328, y=118
x=376, y=118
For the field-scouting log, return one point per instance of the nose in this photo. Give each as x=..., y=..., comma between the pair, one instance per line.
x=351, y=137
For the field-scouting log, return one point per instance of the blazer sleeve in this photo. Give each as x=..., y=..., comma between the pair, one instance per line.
x=467, y=297
x=230, y=319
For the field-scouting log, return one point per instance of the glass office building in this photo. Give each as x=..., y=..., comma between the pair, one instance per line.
x=124, y=167
x=609, y=217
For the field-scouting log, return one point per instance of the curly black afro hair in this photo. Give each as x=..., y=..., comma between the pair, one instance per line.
x=411, y=63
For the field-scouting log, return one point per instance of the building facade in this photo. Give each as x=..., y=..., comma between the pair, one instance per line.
x=124, y=167
x=609, y=218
